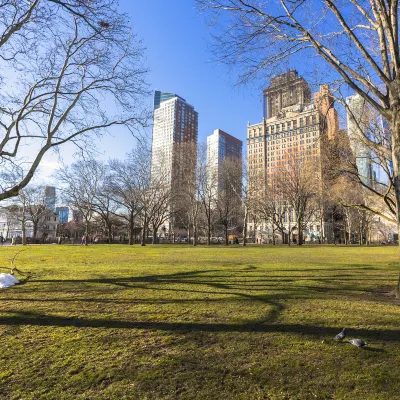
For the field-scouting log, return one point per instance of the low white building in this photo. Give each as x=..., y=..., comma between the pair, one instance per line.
x=11, y=225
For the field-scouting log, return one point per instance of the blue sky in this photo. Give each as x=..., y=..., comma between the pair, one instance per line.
x=175, y=37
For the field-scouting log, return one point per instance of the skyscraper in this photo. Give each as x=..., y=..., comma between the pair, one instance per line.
x=50, y=197
x=221, y=146
x=63, y=213
x=294, y=133
x=285, y=90
x=357, y=125
x=175, y=130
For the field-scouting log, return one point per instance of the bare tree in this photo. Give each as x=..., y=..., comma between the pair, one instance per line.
x=189, y=172
x=103, y=198
x=272, y=209
x=73, y=69
x=160, y=205
x=36, y=208
x=298, y=183
x=9, y=213
x=79, y=187
x=208, y=189
x=141, y=158
x=229, y=201
x=16, y=215
x=125, y=187
x=351, y=156
x=243, y=187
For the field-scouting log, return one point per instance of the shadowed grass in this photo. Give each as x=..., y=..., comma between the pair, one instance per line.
x=177, y=322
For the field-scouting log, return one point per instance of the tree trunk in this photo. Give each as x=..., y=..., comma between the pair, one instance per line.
x=300, y=238
x=154, y=239
x=110, y=235
x=300, y=232
x=195, y=234
x=245, y=227
x=143, y=241
x=131, y=223
x=395, y=134
x=283, y=236
x=209, y=231
x=35, y=229
x=226, y=236
x=86, y=231
x=23, y=232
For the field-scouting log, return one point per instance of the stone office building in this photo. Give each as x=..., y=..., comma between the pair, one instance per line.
x=291, y=132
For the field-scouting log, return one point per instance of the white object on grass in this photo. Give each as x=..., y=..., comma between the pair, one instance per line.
x=7, y=280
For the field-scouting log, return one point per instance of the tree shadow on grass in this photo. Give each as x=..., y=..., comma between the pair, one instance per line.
x=236, y=288
x=211, y=283
x=313, y=331
x=230, y=285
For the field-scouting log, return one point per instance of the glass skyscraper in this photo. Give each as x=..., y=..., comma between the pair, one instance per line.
x=175, y=130
x=220, y=146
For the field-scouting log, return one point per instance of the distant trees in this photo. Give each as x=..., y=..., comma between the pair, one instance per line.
x=229, y=197
x=208, y=192
x=79, y=188
x=117, y=193
x=29, y=211
x=298, y=184
x=375, y=179
x=290, y=200
x=123, y=184
x=37, y=210
x=273, y=208
x=70, y=70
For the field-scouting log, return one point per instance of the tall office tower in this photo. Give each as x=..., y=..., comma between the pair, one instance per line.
x=50, y=197
x=357, y=127
x=296, y=135
x=285, y=90
x=175, y=130
x=63, y=213
x=221, y=146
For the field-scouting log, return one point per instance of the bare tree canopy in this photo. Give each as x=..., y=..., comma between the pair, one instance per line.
x=357, y=39
x=71, y=69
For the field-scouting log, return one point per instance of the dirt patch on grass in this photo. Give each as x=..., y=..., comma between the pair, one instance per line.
x=387, y=292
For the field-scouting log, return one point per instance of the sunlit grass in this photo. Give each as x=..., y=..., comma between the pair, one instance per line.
x=166, y=322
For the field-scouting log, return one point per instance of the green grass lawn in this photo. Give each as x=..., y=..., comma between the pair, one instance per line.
x=177, y=322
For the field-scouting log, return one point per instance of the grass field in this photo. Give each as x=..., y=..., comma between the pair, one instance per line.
x=177, y=322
